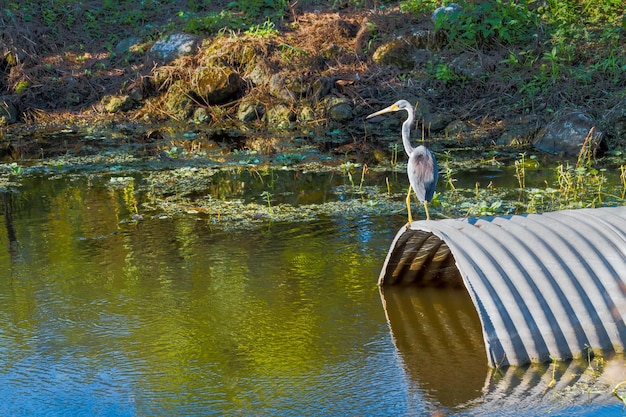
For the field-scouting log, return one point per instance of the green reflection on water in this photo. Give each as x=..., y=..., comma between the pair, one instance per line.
x=187, y=318
x=168, y=316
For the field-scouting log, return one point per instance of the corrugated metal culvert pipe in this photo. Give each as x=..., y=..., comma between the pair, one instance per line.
x=551, y=284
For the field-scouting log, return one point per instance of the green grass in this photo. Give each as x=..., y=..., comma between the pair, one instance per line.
x=563, y=51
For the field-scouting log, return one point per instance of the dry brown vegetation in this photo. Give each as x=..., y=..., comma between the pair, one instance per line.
x=57, y=67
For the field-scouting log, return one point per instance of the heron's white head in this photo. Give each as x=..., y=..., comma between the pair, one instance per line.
x=397, y=106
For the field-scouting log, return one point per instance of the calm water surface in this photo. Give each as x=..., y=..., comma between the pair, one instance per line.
x=168, y=316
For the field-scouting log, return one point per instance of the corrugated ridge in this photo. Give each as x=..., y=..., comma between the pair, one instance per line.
x=549, y=284
x=584, y=259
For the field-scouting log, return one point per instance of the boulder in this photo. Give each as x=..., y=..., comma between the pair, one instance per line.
x=260, y=73
x=249, y=109
x=127, y=45
x=215, y=84
x=469, y=65
x=338, y=109
x=566, y=134
x=447, y=14
x=178, y=103
x=520, y=133
x=398, y=52
x=174, y=46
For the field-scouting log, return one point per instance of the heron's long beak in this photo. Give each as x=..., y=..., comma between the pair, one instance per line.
x=389, y=109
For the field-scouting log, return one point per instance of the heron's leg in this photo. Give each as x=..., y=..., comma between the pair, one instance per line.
x=408, y=207
x=426, y=209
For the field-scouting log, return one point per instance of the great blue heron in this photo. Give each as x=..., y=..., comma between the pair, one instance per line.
x=422, y=167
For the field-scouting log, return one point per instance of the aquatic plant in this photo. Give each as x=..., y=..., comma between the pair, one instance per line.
x=347, y=168
x=520, y=171
x=267, y=196
x=394, y=153
x=552, y=382
x=448, y=173
x=16, y=169
x=364, y=171
x=619, y=392
x=623, y=179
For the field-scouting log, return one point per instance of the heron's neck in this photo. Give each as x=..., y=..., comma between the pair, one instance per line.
x=406, y=131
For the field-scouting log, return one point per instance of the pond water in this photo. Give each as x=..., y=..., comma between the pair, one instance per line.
x=103, y=313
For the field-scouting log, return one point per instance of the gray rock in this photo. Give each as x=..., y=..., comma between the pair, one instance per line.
x=174, y=46
x=446, y=13
x=278, y=88
x=338, y=109
x=566, y=134
x=260, y=74
x=126, y=44
x=468, y=65
x=520, y=133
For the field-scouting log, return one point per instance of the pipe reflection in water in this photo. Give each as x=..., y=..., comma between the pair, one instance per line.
x=438, y=335
x=581, y=387
x=439, y=339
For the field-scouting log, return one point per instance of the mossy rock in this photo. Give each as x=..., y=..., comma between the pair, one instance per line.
x=178, y=103
x=236, y=52
x=298, y=86
x=249, y=110
x=215, y=84
x=397, y=52
x=306, y=114
x=117, y=103
x=280, y=117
